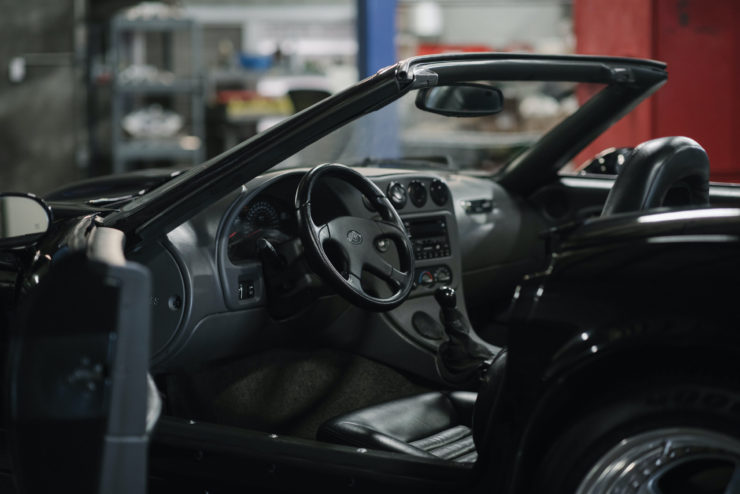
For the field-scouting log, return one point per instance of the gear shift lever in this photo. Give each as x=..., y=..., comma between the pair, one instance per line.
x=459, y=359
x=446, y=297
x=451, y=317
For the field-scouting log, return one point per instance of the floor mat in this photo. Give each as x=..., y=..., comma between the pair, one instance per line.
x=292, y=392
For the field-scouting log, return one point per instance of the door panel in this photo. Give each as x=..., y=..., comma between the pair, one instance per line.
x=79, y=359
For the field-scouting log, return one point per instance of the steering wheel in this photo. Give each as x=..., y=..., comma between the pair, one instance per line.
x=357, y=240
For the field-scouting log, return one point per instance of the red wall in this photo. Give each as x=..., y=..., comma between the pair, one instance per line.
x=700, y=42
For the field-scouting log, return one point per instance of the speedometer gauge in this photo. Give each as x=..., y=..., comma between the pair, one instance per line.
x=260, y=215
x=257, y=219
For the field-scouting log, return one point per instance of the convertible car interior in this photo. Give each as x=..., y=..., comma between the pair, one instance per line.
x=312, y=356
x=262, y=344
x=350, y=297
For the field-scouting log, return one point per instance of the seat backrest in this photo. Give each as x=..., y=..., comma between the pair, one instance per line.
x=668, y=171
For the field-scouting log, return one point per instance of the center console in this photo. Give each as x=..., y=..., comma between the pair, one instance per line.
x=430, y=239
x=429, y=236
x=426, y=207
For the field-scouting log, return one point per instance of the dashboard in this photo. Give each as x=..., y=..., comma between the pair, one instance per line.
x=234, y=280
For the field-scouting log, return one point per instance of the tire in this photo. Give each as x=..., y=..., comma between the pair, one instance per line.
x=663, y=435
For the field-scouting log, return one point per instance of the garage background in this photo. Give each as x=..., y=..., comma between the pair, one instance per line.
x=211, y=73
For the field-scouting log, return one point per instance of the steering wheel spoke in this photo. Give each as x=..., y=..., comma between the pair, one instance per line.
x=354, y=281
x=386, y=271
x=323, y=233
x=399, y=278
x=390, y=230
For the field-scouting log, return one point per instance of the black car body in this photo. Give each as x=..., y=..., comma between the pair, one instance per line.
x=608, y=302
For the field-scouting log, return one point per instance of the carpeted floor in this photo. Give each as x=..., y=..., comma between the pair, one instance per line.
x=288, y=392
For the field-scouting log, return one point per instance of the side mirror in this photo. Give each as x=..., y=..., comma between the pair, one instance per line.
x=461, y=100
x=24, y=218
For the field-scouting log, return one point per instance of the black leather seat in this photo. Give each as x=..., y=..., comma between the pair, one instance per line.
x=431, y=424
x=445, y=424
x=668, y=171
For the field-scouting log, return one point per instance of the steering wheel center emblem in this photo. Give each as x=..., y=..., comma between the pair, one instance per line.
x=354, y=237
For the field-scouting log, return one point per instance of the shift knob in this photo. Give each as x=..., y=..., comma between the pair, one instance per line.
x=445, y=297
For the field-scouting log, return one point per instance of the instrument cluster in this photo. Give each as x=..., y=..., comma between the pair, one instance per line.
x=265, y=217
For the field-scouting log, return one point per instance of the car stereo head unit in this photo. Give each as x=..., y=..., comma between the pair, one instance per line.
x=429, y=236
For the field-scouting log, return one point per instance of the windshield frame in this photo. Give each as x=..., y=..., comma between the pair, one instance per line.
x=628, y=81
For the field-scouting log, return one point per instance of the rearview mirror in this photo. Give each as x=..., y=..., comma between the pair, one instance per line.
x=461, y=100
x=24, y=218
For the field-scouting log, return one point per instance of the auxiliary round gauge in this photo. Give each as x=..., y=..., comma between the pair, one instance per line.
x=397, y=195
x=438, y=191
x=417, y=193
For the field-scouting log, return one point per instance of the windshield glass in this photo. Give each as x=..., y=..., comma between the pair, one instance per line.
x=401, y=135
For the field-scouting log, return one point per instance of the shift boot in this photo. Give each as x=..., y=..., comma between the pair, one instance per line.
x=460, y=359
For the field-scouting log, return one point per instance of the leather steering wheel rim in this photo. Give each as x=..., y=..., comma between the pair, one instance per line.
x=356, y=239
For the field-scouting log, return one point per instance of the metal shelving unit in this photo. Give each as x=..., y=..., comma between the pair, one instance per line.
x=128, y=45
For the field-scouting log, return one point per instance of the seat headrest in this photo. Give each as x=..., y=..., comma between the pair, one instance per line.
x=654, y=169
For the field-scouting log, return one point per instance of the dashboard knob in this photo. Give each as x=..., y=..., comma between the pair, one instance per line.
x=442, y=275
x=426, y=278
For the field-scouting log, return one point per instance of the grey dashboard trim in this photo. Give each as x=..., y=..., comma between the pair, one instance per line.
x=229, y=273
x=213, y=327
x=169, y=293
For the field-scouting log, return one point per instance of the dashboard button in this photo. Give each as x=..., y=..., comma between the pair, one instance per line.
x=246, y=289
x=382, y=244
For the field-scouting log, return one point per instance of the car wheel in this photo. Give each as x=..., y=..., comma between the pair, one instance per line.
x=667, y=461
x=657, y=438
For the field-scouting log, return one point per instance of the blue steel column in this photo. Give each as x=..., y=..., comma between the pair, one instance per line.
x=376, y=48
x=376, y=32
